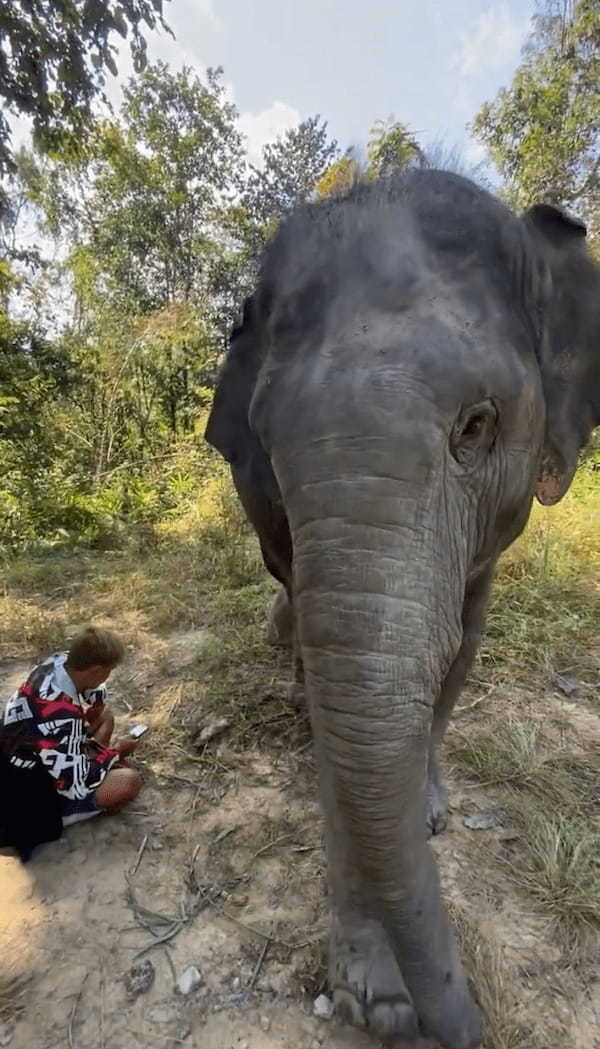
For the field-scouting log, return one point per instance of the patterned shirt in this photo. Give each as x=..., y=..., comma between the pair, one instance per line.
x=44, y=721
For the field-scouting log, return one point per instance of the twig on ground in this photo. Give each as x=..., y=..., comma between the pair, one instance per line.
x=265, y=848
x=260, y=962
x=171, y=966
x=304, y=746
x=194, y=803
x=471, y=706
x=224, y=834
x=203, y=759
x=138, y=858
x=74, y=1010
x=170, y=935
x=258, y=932
x=179, y=779
x=102, y=987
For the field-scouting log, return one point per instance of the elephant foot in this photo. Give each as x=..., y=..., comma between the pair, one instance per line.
x=436, y=807
x=368, y=989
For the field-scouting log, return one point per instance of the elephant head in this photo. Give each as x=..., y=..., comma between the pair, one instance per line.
x=416, y=362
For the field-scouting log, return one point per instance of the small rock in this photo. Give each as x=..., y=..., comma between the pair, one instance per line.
x=265, y=1023
x=7, y=1029
x=140, y=978
x=236, y=983
x=566, y=684
x=164, y=1013
x=211, y=730
x=484, y=820
x=189, y=980
x=157, y=846
x=239, y=899
x=323, y=1007
x=183, y=1031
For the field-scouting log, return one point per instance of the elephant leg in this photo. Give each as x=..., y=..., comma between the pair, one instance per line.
x=365, y=977
x=296, y=694
x=280, y=631
x=473, y=618
x=368, y=988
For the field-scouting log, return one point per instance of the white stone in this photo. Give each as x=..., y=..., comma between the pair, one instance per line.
x=189, y=980
x=265, y=1023
x=212, y=730
x=323, y=1007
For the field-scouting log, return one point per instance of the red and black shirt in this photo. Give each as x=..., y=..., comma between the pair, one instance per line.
x=44, y=721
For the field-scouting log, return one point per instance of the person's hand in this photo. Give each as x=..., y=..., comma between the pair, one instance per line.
x=95, y=712
x=126, y=746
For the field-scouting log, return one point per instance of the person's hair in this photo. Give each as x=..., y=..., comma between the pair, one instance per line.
x=95, y=647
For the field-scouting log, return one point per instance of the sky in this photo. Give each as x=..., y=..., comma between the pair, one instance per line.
x=429, y=64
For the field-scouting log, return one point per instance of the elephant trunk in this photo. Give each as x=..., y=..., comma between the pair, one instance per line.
x=379, y=626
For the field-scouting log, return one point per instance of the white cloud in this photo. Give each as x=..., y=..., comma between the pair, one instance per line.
x=493, y=39
x=207, y=9
x=263, y=127
x=475, y=153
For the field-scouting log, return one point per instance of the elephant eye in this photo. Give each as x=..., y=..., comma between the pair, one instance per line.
x=473, y=426
x=473, y=432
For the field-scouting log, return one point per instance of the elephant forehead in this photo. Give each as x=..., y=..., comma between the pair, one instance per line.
x=381, y=373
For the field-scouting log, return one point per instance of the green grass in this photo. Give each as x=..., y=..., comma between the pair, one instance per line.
x=551, y=795
x=517, y=754
x=559, y=868
x=544, y=614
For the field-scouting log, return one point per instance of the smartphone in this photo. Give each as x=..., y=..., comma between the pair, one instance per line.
x=138, y=730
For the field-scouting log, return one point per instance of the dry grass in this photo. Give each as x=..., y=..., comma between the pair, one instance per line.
x=544, y=613
x=519, y=755
x=551, y=794
x=204, y=571
x=12, y=995
x=558, y=866
x=498, y=989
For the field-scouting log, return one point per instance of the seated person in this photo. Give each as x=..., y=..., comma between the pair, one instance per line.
x=57, y=720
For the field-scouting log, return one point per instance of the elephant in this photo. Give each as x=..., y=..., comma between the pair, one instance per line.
x=416, y=363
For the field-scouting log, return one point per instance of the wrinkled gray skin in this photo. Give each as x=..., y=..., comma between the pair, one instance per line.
x=416, y=363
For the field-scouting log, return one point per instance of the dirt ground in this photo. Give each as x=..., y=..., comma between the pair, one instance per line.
x=221, y=859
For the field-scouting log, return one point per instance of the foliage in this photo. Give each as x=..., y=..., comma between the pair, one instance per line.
x=54, y=60
x=543, y=132
x=156, y=225
x=291, y=168
x=545, y=605
x=339, y=177
x=392, y=147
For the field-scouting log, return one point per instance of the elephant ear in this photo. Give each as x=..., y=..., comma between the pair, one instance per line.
x=569, y=353
x=228, y=429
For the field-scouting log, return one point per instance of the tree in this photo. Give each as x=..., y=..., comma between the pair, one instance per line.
x=339, y=177
x=543, y=132
x=166, y=177
x=292, y=166
x=391, y=147
x=54, y=58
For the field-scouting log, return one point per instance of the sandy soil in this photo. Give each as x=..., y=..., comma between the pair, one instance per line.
x=233, y=857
